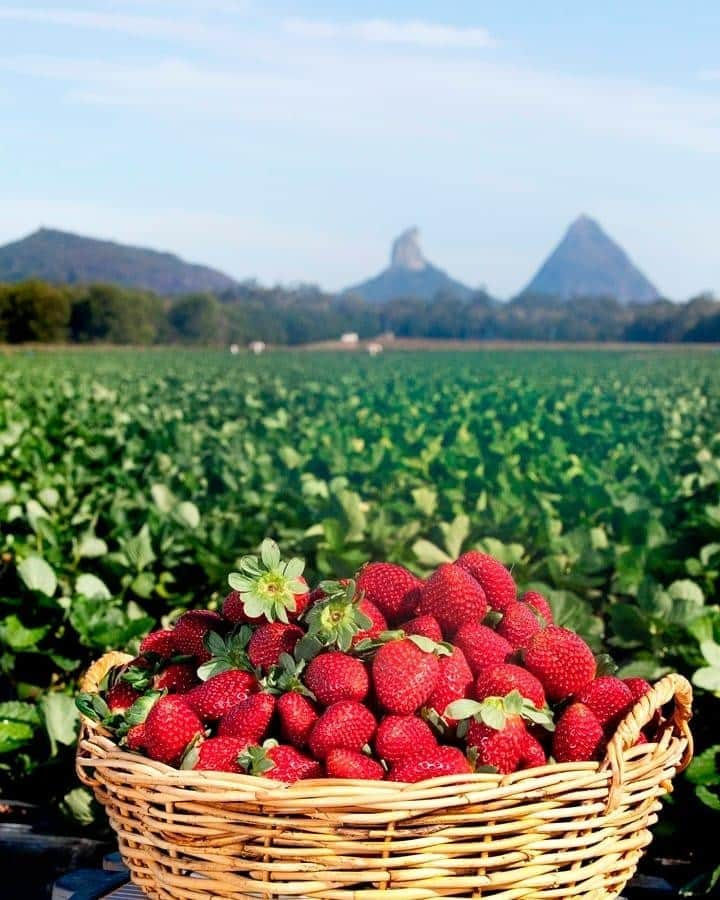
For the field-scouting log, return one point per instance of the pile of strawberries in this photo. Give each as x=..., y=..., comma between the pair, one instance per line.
x=383, y=677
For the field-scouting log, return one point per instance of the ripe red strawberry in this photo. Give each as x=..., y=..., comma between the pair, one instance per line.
x=608, y=698
x=638, y=687
x=392, y=588
x=269, y=641
x=561, y=660
x=135, y=738
x=401, y=736
x=219, y=694
x=297, y=718
x=539, y=604
x=519, y=623
x=578, y=735
x=454, y=682
x=279, y=762
x=502, y=679
x=336, y=676
x=427, y=626
x=249, y=719
x=170, y=726
x=191, y=630
x=267, y=586
x=404, y=675
x=121, y=697
x=507, y=749
x=493, y=577
x=351, y=764
x=482, y=646
x=220, y=754
x=453, y=597
x=346, y=724
x=378, y=622
x=177, y=678
x=442, y=760
x=162, y=643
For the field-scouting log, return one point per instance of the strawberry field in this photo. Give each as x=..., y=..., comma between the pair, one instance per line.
x=131, y=483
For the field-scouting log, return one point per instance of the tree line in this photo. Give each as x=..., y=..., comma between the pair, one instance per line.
x=37, y=311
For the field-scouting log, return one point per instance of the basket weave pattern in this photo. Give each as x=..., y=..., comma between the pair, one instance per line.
x=560, y=831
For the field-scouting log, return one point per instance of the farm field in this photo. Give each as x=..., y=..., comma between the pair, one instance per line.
x=130, y=483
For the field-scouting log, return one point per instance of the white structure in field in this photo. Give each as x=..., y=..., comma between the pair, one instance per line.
x=257, y=347
x=350, y=338
x=234, y=349
x=373, y=348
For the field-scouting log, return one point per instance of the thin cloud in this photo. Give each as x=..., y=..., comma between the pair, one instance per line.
x=709, y=75
x=383, y=31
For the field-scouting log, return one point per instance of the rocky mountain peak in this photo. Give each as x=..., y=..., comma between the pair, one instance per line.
x=406, y=252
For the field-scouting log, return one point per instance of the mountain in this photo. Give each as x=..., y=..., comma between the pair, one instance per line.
x=588, y=263
x=66, y=258
x=408, y=275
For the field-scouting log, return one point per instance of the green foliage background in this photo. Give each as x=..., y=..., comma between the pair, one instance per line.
x=130, y=483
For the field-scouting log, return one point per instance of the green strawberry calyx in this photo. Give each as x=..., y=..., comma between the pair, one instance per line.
x=334, y=620
x=267, y=584
x=255, y=760
x=227, y=653
x=284, y=678
x=495, y=711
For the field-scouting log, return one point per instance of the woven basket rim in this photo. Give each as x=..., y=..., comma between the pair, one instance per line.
x=96, y=748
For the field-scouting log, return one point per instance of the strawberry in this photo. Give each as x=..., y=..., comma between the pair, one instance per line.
x=297, y=718
x=481, y=645
x=161, y=643
x=267, y=586
x=454, y=682
x=608, y=698
x=191, y=630
x=346, y=724
x=336, y=676
x=540, y=605
x=219, y=694
x=453, y=597
x=393, y=589
x=507, y=749
x=578, y=735
x=401, y=736
x=177, y=678
x=220, y=754
x=351, y=764
x=269, y=641
x=249, y=719
x=233, y=609
x=501, y=679
x=121, y=697
x=426, y=626
x=135, y=738
x=638, y=687
x=492, y=576
x=561, y=660
x=279, y=762
x=519, y=623
x=170, y=726
x=339, y=617
x=404, y=674
x=442, y=760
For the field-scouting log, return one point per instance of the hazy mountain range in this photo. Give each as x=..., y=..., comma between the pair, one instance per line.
x=586, y=263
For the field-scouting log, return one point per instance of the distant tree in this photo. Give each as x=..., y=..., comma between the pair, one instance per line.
x=34, y=311
x=106, y=312
x=196, y=318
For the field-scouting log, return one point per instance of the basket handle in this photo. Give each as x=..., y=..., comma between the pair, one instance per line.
x=672, y=687
x=90, y=681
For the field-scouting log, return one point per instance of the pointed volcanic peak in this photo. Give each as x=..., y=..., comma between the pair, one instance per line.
x=66, y=258
x=409, y=275
x=588, y=263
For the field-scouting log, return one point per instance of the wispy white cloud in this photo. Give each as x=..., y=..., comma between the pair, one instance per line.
x=383, y=31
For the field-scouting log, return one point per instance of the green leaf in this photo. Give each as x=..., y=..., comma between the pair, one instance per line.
x=455, y=534
x=78, y=805
x=91, y=547
x=189, y=514
x=492, y=713
x=706, y=796
x=15, y=711
x=19, y=638
x=429, y=554
x=37, y=575
x=704, y=768
x=711, y=651
x=138, y=549
x=61, y=719
x=35, y=512
x=425, y=499
x=14, y=735
x=140, y=709
x=462, y=709
x=91, y=586
x=162, y=497
x=708, y=677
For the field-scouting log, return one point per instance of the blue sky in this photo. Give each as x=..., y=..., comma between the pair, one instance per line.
x=292, y=141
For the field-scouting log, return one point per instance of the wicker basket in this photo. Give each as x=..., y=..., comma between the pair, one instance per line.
x=561, y=831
